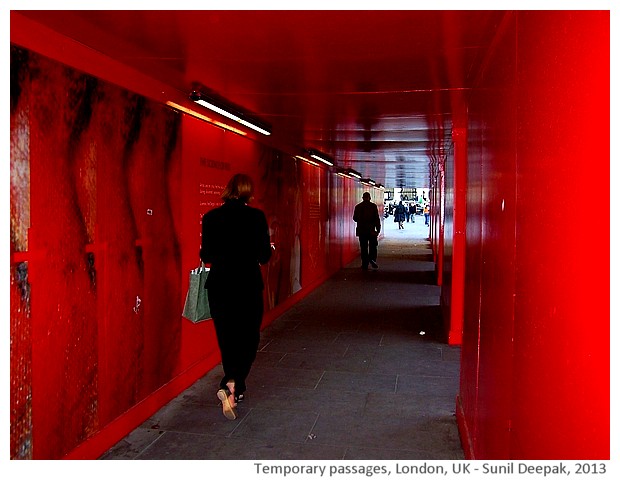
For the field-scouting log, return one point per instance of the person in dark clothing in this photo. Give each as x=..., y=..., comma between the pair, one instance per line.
x=412, y=212
x=399, y=215
x=368, y=227
x=235, y=241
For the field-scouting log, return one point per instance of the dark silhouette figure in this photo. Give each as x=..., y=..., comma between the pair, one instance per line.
x=235, y=241
x=399, y=215
x=366, y=214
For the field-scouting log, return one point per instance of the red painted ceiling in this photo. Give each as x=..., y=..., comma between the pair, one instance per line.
x=371, y=88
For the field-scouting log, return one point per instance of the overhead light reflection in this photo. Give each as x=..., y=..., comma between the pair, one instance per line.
x=307, y=160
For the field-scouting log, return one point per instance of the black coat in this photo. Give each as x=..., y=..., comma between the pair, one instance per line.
x=366, y=215
x=235, y=241
x=399, y=213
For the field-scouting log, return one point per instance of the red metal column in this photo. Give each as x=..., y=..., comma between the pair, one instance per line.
x=440, y=219
x=455, y=330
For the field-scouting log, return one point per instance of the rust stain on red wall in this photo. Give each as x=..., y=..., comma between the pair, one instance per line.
x=21, y=329
x=95, y=258
x=106, y=201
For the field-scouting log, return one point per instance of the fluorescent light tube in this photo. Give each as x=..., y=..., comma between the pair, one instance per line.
x=196, y=97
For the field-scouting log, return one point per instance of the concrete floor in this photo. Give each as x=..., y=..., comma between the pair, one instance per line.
x=358, y=370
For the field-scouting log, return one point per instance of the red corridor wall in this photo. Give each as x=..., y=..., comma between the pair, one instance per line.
x=108, y=188
x=535, y=372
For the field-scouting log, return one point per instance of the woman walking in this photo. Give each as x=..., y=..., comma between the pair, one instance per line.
x=399, y=214
x=235, y=241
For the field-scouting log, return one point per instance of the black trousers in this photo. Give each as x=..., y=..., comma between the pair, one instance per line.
x=368, y=247
x=237, y=318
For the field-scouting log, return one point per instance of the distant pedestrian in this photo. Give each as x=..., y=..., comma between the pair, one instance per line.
x=366, y=215
x=426, y=214
x=399, y=215
x=412, y=211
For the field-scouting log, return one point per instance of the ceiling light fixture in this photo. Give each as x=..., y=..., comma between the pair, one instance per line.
x=321, y=157
x=218, y=105
x=344, y=172
x=195, y=114
x=354, y=173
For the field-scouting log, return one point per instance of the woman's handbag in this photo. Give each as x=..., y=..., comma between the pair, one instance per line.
x=196, y=306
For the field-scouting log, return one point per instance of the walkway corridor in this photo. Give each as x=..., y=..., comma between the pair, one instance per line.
x=358, y=370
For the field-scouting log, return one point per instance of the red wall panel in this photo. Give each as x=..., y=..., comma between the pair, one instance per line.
x=469, y=377
x=335, y=222
x=312, y=238
x=64, y=304
x=102, y=249
x=108, y=190
x=494, y=101
x=534, y=376
x=448, y=236
x=21, y=325
x=121, y=253
x=562, y=316
x=282, y=200
x=453, y=263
